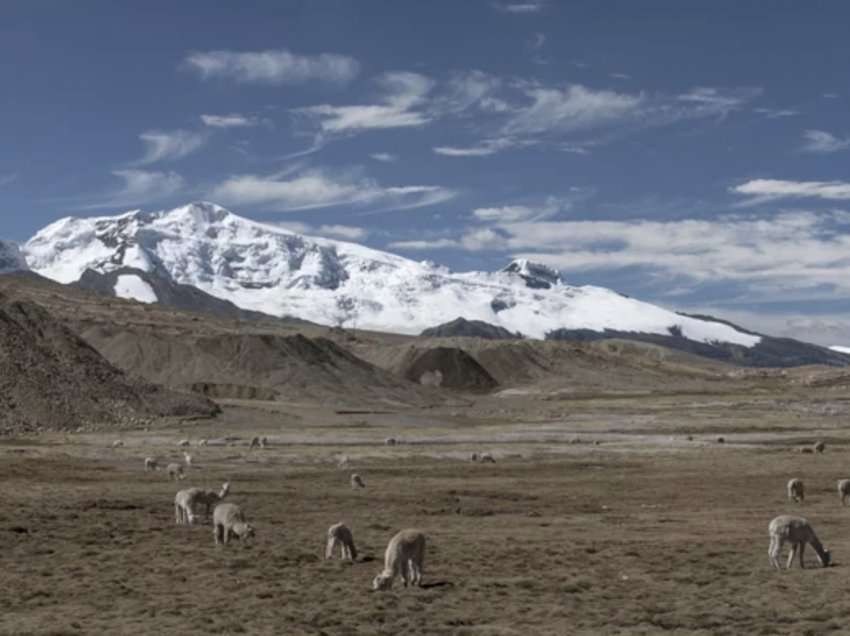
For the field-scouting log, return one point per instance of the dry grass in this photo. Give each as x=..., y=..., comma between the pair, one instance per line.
x=592, y=542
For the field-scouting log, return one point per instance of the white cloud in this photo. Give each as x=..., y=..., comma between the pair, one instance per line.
x=821, y=141
x=229, y=121
x=272, y=67
x=403, y=95
x=762, y=190
x=140, y=187
x=171, y=145
x=386, y=157
x=571, y=109
x=529, y=6
x=318, y=189
x=517, y=213
x=345, y=232
x=776, y=113
x=619, y=76
x=482, y=149
x=436, y=244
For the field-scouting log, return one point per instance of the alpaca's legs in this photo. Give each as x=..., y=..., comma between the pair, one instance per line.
x=802, y=549
x=791, y=554
x=773, y=551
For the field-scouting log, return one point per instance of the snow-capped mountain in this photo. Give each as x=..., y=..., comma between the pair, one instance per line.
x=265, y=268
x=11, y=259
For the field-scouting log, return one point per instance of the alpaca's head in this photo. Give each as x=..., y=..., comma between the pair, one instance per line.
x=826, y=559
x=382, y=582
x=244, y=530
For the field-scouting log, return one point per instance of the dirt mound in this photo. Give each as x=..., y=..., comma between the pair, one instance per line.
x=448, y=367
x=249, y=365
x=460, y=327
x=51, y=379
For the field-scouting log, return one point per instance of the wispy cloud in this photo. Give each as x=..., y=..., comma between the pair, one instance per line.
x=161, y=145
x=230, y=121
x=272, y=67
x=518, y=213
x=763, y=190
x=482, y=149
x=6, y=179
x=573, y=108
x=140, y=187
x=820, y=141
x=424, y=244
x=520, y=8
x=344, y=232
x=311, y=189
x=385, y=157
x=402, y=96
x=776, y=113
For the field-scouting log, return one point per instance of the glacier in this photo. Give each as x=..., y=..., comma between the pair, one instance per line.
x=262, y=267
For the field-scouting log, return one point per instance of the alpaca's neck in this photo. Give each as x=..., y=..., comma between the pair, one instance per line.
x=818, y=546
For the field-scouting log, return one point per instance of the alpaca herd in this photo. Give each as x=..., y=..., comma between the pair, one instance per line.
x=404, y=556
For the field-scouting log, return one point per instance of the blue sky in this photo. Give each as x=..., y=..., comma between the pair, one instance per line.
x=688, y=153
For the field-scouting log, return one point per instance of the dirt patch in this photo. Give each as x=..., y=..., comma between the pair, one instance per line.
x=51, y=379
x=446, y=367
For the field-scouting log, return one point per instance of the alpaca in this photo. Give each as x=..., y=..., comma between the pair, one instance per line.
x=405, y=555
x=117, y=443
x=255, y=442
x=187, y=501
x=844, y=490
x=183, y=442
x=486, y=458
x=340, y=535
x=188, y=459
x=264, y=442
x=151, y=464
x=228, y=518
x=356, y=481
x=390, y=441
x=342, y=462
x=819, y=446
x=203, y=442
x=796, y=492
x=175, y=471
x=798, y=532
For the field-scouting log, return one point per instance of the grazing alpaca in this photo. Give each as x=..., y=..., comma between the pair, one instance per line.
x=405, y=555
x=187, y=501
x=796, y=492
x=117, y=443
x=819, y=446
x=188, y=459
x=356, y=481
x=183, y=442
x=340, y=535
x=229, y=519
x=175, y=471
x=255, y=443
x=487, y=458
x=150, y=464
x=798, y=532
x=844, y=490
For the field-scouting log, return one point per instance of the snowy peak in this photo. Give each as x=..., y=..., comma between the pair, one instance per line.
x=11, y=258
x=264, y=268
x=535, y=275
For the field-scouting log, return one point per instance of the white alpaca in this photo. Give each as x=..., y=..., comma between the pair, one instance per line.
x=151, y=464
x=183, y=442
x=228, y=518
x=356, y=481
x=187, y=501
x=175, y=471
x=798, y=532
x=117, y=443
x=340, y=535
x=486, y=457
x=202, y=442
x=405, y=555
x=844, y=490
x=796, y=491
x=188, y=459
